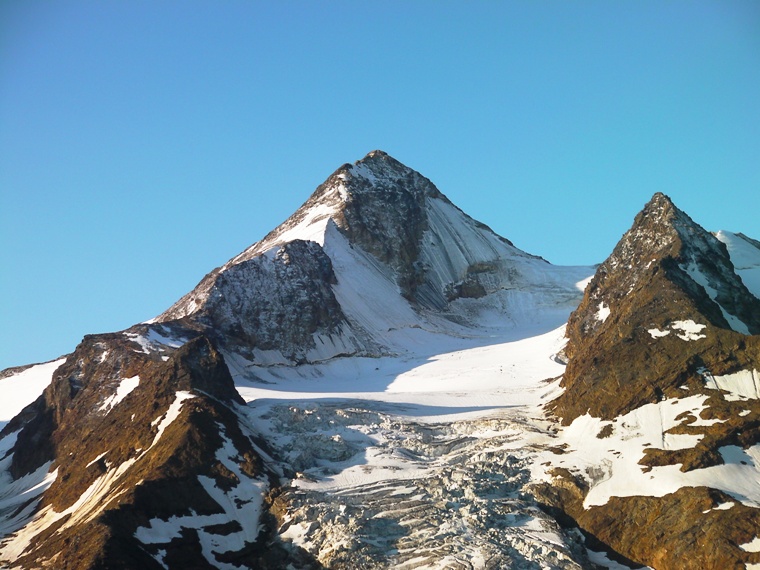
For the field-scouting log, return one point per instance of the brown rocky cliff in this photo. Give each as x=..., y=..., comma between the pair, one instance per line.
x=144, y=458
x=656, y=320
x=615, y=364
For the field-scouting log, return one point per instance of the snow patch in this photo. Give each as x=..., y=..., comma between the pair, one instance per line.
x=126, y=385
x=602, y=312
x=751, y=546
x=171, y=414
x=734, y=322
x=657, y=333
x=721, y=507
x=155, y=341
x=242, y=504
x=689, y=330
x=98, y=458
x=742, y=385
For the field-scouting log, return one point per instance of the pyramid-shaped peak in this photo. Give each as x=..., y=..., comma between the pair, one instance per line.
x=660, y=200
x=660, y=223
x=378, y=177
x=380, y=169
x=660, y=208
x=379, y=154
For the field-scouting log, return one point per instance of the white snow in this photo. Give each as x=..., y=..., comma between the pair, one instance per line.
x=721, y=507
x=98, y=458
x=23, y=388
x=751, y=546
x=126, y=385
x=601, y=559
x=742, y=385
x=746, y=259
x=462, y=378
x=657, y=333
x=602, y=312
x=734, y=322
x=610, y=465
x=311, y=228
x=171, y=414
x=689, y=330
x=155, y=341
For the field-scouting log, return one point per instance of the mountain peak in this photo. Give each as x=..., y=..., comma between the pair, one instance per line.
x=390, y=216
x=377, y=176
x=376, y=154
x=660, y=200
x=666, y=272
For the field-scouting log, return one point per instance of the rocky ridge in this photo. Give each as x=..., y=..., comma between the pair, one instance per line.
x=88, y=494
x=665, y=274
x=664, y=317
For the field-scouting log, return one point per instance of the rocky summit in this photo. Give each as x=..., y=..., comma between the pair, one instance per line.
x=384, y=382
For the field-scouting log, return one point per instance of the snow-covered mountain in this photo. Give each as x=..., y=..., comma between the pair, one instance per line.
x=383, y=382
x=376, y=251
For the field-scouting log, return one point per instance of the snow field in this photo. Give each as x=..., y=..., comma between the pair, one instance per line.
x=746, y=259
x=21, y=389
x=610, y=464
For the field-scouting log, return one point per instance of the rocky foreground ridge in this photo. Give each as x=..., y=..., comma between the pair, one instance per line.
x=383, y=382
x=664, y=316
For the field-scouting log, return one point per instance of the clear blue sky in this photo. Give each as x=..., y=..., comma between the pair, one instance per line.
x=144, y=143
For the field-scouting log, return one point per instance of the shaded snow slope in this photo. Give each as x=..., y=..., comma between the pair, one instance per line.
x=745, y=255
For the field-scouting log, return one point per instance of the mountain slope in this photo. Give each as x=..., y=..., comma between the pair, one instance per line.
x=668, y=296
x=745, y=255
x=661, y=400
x=100, y=498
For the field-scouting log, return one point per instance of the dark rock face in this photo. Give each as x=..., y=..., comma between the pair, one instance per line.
x=169, y=449
x=680, y=530
x=274, y=303
x=277, y=302
x=385, y=213
x=381, y=207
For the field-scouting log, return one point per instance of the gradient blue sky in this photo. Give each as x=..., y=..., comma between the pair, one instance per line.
x=144, y=143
